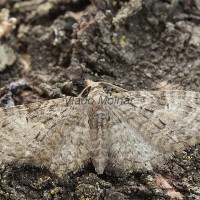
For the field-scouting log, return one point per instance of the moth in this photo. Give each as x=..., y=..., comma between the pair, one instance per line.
x=128, y=130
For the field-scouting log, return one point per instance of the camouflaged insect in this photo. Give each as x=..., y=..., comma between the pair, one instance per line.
x=128, y=130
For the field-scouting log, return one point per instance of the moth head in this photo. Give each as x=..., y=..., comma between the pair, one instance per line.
x=95, y=89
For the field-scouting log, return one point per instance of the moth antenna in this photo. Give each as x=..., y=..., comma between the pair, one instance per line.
x=89, y=83
x=114, y=86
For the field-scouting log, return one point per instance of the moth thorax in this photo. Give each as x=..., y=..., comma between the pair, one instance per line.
x=98, y=117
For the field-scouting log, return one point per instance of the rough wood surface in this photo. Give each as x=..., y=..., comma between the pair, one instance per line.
x=56, y=45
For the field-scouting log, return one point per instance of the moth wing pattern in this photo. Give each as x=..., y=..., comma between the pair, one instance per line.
x=128, y=149
x=148, y=127
x=74, y=149
x=36, y=133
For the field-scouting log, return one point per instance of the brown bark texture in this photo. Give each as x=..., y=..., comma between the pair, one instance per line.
x=137, y=44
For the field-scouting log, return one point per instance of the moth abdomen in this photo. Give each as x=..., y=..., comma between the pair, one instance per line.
x=99, y=155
